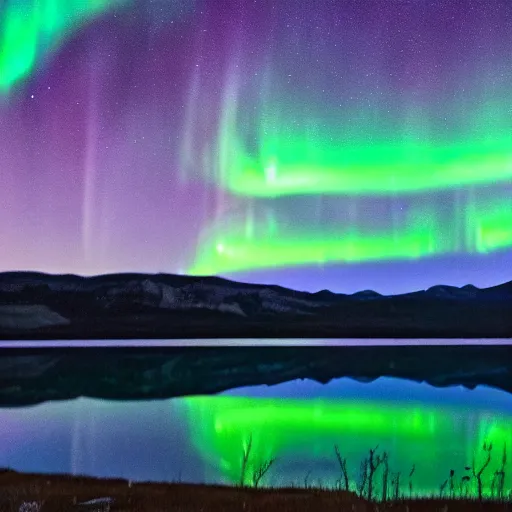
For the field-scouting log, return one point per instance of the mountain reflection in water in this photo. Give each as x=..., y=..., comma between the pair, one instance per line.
x=201, y=439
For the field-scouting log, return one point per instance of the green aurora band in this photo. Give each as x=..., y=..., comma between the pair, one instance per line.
x=35, y=28
x=485, y=226
x=296, y=148
x=302, y=433
x=300, y=148
x=292, y=166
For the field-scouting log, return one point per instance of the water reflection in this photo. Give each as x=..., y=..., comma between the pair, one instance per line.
x=302, y=433
x=202, y=439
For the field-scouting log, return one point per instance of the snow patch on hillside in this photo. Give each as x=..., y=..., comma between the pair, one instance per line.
x=29, y=317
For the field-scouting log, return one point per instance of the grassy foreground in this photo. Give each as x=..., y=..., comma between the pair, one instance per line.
x=23, y=492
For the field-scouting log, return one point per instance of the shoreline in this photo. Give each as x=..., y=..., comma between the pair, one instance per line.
x=55, y=492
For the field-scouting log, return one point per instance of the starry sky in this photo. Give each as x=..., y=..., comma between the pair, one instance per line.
x=331, y=144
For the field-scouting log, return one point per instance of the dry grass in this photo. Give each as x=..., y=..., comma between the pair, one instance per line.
x=62, y=493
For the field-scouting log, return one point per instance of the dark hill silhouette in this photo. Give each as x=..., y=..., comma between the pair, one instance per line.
x=41, y=306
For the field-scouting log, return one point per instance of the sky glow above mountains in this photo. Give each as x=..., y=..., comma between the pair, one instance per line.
x=259, y=139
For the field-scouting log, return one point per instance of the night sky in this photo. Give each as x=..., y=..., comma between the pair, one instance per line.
x=339, y=144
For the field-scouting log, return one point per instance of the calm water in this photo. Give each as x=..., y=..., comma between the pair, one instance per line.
x=201, y=439
x=254, y=342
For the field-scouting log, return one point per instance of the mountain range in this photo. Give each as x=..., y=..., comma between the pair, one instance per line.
x=158, y=306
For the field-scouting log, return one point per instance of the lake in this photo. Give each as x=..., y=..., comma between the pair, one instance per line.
x=202, y=438
x=256, y=342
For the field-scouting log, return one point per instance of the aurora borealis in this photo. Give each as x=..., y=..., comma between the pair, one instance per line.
x=348, y=144
x=30, y=30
